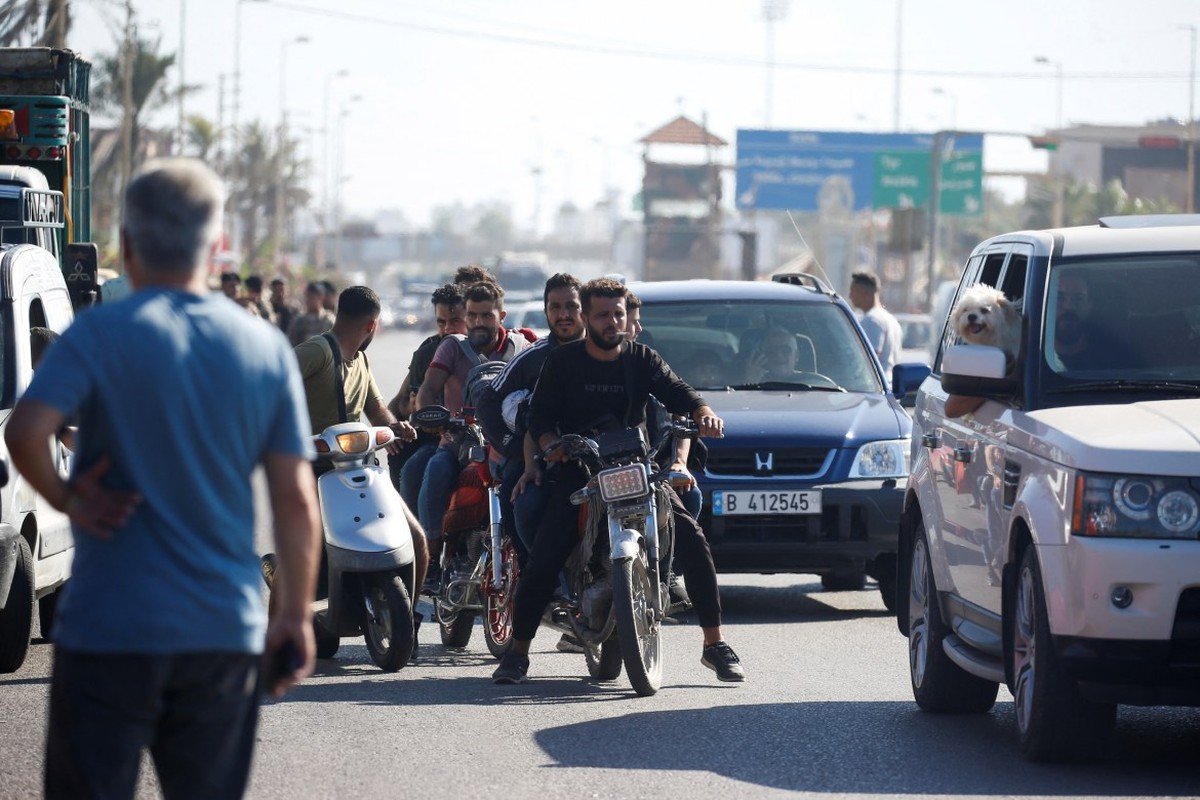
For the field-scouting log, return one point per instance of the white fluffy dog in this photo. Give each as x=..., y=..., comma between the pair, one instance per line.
x=983, y=315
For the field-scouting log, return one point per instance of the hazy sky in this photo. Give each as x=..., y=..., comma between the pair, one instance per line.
x=461, y=100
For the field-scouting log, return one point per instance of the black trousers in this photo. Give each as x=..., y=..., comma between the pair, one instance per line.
x=195, y=712
x=557, y=536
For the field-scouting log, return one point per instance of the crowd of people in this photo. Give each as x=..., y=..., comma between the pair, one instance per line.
x=162, y=635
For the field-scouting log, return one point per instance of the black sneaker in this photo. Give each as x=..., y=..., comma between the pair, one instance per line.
x=677, y=596
x=720, y=658
x=513, y=668
x=569, y=644
x=433, y=580
x=268, y=565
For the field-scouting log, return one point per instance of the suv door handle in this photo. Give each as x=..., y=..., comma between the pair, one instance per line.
x=963, y=453
x=930, y=440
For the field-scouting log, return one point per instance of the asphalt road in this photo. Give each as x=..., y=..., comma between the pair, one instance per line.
x=826, y=712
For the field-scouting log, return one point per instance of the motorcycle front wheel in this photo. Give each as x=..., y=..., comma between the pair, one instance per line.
x=638, y=631
x=389, y=623
x=498, y=603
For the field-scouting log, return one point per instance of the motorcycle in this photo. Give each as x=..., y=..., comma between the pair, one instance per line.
x=369, y=549
x=478, y=560
x=619, y=593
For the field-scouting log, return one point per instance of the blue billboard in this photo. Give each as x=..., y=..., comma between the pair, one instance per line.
x=787, y=170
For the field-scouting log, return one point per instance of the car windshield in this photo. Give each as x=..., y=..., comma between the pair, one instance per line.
x=722, y=343
x=1133, y=319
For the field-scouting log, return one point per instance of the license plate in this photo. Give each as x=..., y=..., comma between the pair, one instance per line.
x=726, y=504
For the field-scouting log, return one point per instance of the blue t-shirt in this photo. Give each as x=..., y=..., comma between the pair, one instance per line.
x=186, y=394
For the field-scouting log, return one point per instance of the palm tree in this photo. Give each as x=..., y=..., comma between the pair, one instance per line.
x=150, y=90
x=260, y=164
x=40, y=23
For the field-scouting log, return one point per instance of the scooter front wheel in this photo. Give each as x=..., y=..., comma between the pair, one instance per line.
x=389, y=621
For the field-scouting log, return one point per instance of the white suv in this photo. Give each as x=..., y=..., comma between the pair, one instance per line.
x=1051, y=538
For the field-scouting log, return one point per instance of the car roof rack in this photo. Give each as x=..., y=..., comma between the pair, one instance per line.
x=803, y=279
x=1150, y=221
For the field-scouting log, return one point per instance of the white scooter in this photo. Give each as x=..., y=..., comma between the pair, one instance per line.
x=369, y=549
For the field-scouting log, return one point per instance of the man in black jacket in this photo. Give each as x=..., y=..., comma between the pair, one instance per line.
x=605, y=375
x=522, y=474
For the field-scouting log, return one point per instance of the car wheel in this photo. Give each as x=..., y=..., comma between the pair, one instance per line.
x=16, y=618
x=1054, y=721
x=938, y=683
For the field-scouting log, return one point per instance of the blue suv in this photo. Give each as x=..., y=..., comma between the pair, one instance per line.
x=811, y=474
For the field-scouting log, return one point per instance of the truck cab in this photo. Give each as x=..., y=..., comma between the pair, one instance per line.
x=36, y=545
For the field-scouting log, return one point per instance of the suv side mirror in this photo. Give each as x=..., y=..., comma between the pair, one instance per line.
x=977, y=371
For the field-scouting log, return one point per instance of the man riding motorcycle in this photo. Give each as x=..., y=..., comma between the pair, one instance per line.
x=602, y=383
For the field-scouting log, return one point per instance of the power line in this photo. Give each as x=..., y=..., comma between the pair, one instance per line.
x=579, y=45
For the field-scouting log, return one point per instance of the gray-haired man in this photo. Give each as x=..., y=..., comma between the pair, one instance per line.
x=180, y=396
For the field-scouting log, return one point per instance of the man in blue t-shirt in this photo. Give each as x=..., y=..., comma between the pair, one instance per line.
x=180, y=395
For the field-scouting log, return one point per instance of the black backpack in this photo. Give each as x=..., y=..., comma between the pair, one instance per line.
x=485, y=371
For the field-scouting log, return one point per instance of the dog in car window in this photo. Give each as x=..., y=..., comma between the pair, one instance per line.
x=983, y=315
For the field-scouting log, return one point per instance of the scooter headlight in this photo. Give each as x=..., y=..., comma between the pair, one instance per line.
x=354, y=444
x=622, y=483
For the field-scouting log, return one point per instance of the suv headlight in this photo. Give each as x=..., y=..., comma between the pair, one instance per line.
x=881, y=460
x=1135, y=506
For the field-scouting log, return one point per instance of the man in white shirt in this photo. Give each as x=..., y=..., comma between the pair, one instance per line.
x=882, y=330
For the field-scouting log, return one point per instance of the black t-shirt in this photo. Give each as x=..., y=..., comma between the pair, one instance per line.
x=422, y=356
x=577, y=393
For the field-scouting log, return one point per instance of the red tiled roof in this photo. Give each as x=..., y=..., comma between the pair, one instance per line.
x=682, y=130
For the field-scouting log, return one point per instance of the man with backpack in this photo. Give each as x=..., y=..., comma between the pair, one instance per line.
x=460, y=365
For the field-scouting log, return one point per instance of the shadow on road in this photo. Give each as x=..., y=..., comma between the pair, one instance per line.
x=883, y=748
x=799, y=602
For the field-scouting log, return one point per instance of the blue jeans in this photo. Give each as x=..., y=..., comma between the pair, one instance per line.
x=195, y=712
x=528, y=510
x=412, y=474
x=441, y=476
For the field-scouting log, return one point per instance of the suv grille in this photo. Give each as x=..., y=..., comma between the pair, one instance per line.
x=792, y=461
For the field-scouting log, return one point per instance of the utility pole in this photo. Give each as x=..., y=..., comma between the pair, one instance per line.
x=899, y=64
x=773, y=11
x=182, y=82
x=1190, y=204
x=127, y=67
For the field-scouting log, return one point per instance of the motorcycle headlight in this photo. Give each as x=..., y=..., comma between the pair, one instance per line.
x=1135, y=506
x=622, y=483
x=888, y=459
x=354, y=444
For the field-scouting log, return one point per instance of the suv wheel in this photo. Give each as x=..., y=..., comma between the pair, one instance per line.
x=1054, y=721
x=938, y=683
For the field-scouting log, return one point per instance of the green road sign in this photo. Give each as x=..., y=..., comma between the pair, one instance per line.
x=901, y=179
x=961, y=189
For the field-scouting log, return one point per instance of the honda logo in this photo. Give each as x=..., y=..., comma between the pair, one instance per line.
x=764, y=462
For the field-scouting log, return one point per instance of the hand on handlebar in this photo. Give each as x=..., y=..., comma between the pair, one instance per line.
x=709, y=425
x=556, y=453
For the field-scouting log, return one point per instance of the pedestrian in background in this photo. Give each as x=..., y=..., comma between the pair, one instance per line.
x=284, y=308
x=315, y=320
x=882, y=329
x=180, y=395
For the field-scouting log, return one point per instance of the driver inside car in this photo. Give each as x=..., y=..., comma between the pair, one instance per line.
x=775, y=358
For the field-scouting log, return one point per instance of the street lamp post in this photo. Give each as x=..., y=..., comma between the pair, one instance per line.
x=1057, y=157
x=343, y=112
x=1190, y=203
x=277, y=225
x=326, y=180
x=236, y=135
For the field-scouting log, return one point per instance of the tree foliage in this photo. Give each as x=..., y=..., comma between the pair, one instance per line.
x=36, y=23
